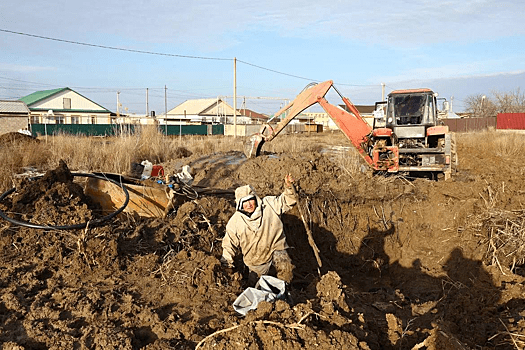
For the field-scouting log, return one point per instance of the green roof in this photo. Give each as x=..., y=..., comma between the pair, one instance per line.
x=40, y=95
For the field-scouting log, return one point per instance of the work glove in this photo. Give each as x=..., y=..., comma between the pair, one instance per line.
x=225, y=263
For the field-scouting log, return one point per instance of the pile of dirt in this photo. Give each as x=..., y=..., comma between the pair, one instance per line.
x=16, y=137
x=405, y=264
x=53, y=200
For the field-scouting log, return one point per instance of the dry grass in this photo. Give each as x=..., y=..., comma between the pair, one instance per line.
x=501, y=142
x=503, y=231
x=111, y=154
x=115, y=154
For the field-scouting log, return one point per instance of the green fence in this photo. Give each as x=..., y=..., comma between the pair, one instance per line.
x=113, y=129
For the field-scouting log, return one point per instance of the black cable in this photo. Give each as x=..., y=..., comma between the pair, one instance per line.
x=165, y=54
x=69, y=227
x=114, y=48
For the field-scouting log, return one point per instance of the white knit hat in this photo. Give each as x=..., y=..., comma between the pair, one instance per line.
x=243, y=194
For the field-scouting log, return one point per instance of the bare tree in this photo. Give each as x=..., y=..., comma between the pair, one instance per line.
x=480, y=106
x=501, y=102
x=510, y=102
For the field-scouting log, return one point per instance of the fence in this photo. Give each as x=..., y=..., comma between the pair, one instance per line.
x=470, y=124
x=515, y=121
x=116, y=129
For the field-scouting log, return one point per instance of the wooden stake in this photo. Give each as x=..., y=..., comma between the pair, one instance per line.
x=308, y=231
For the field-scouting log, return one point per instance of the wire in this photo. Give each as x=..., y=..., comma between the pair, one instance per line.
x=115, y=48
x=275, y=71
x=169, y=55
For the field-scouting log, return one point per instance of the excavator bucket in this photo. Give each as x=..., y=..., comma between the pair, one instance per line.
x=309, y=96
x=252, y=147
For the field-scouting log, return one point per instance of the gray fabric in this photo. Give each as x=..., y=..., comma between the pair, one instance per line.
x=268, y=288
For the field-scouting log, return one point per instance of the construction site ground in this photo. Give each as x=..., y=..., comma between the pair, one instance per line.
x=408, y=263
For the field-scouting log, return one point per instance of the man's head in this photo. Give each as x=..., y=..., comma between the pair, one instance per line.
x=245, y=198
x=249, y=205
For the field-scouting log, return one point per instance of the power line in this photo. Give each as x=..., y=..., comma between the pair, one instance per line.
x=115, y=48
x=275, y=71
x=169, y=55
x=291, y=75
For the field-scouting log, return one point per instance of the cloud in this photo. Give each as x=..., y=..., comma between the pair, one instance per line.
x=207, y=25
x=19, y=68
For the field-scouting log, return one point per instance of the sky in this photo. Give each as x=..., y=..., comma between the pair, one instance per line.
x=156, y=55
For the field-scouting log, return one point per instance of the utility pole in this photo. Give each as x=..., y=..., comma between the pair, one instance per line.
x=147, y=102
x=166, y=109
x=118, y=104
x=382, y=91
x=235, y=97
x=119, y=121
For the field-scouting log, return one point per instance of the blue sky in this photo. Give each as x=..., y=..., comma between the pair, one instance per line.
x=456, y=48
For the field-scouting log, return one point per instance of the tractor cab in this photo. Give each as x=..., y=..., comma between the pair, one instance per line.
x=411, y=107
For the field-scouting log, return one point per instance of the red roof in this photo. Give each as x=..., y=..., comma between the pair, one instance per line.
x=514, y=121
x=249, y=113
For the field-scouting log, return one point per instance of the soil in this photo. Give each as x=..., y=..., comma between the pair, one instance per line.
x=16, y=137
x=407, y=263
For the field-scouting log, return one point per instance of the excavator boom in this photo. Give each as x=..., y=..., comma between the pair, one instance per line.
x=352, y=124
x=308, y=97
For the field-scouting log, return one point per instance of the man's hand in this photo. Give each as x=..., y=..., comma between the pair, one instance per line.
x=289, y=181
x=226, y=264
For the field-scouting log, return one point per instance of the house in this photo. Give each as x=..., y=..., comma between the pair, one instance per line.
x=322, y=118
x=14, y=116
x=207, y=111
x=254, y=116
x=64, y=106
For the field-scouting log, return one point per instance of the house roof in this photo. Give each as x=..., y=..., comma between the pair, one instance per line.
x=252, y=114
x=194, y=107
x=211, y=107
x=41, y=95
x=38, y=96
x=15, y=107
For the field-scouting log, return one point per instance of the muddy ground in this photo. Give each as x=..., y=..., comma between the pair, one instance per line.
x=407, y=263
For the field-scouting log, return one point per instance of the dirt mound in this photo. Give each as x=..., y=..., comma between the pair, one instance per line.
x=16, y=137
x=406, y=264
x=53, y=200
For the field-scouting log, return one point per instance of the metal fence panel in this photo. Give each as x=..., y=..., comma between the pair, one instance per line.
x=470, y=124
x=80, y=129
x=114, y=129
x=515, y=121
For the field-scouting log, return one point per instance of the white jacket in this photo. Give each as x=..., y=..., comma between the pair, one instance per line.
x=259, y=235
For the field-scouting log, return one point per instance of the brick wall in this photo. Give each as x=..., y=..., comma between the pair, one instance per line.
x=12, y=124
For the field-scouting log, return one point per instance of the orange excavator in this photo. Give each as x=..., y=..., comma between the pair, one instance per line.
x=405, y=137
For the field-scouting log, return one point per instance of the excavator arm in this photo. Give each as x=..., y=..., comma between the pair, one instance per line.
x=378, y=155
x=352, y=124
x=308, y=97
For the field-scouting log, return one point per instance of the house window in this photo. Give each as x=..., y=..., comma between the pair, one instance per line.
x=67, y=103
x=59, y=119
x=75, y=120
x=93, y=120
x=35, y=119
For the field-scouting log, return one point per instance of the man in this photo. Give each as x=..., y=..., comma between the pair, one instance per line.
x=256, y=230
